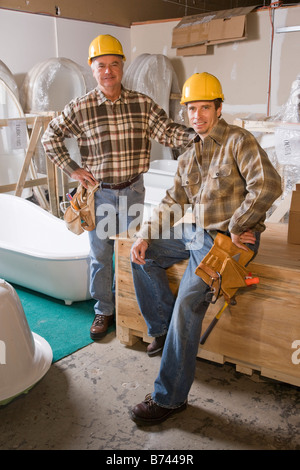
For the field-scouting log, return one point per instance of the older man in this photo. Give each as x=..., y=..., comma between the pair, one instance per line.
x=113, y=127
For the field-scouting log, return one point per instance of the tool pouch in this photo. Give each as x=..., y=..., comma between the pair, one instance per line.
x=80, y=215
x=223, y=268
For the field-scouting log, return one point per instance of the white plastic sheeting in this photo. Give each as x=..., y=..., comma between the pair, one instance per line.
x=49, y=86
x=287, y=139
x=287, y=136
x=8, y=78
x=154, y=75
x=11, y=156
x=12, y=149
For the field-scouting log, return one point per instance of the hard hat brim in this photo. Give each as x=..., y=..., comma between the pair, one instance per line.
x=90, y=59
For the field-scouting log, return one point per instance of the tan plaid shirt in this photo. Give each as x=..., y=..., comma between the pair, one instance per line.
x=114, y=139
x=229, y=181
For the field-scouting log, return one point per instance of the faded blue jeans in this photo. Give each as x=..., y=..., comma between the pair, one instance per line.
x=115, y=210
x=180, y=318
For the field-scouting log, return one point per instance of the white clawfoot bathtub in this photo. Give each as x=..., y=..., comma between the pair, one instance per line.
x=37, y=251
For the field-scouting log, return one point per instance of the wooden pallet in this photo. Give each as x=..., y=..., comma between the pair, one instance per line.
x=258, y=333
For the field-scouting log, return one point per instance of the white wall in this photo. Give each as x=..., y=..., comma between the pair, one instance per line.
x=27, y=39
x=242, y=66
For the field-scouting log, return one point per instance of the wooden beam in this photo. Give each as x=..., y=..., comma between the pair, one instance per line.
x=36, y=131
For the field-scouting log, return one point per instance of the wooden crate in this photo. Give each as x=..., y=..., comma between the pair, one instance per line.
x=257, y=334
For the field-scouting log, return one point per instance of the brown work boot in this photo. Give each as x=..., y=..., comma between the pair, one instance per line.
x=148, y=412
x=100, y=326
x=156, y=346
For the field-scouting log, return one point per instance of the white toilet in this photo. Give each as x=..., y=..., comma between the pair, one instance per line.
x=25, y=357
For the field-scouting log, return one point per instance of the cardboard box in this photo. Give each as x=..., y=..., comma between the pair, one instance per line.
x=211, y=28
x=192, y=50
x=294, y=218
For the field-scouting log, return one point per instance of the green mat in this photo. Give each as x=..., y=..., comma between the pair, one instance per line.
x=65, y=327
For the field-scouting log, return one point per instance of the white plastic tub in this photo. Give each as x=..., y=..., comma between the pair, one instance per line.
x=157, y=180
x=25, y=357
x=37, y=251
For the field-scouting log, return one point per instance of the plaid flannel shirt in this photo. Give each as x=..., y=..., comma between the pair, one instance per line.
x=114, y=139
x=229, y=181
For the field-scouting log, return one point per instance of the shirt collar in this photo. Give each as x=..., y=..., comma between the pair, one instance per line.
x=102, y=98
x=217, y=133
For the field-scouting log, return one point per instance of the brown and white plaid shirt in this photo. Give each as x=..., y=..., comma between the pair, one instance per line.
x=114, y=139
x=229, y=181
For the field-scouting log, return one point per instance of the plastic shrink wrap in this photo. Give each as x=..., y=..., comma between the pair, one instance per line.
x=49, y=86
x=154, y=75
x=287, y=139
x=287, y=135
x=284, y=152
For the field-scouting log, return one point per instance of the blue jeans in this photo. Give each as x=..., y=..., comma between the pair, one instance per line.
x=111, y=208
x=181, y=317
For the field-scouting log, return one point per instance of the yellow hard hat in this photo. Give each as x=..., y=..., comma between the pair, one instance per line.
x=105, y=44
x=201, y=87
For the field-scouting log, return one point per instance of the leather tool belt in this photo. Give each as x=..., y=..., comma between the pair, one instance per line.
x=80, y=215
x=223, y=268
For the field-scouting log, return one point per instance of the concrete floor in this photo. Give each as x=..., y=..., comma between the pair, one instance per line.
x=83, y=403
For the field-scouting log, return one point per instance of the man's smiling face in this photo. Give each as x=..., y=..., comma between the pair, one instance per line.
x=108, y=72
x=203, y=116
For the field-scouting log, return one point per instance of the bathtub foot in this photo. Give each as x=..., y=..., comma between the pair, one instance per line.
x=68, y=302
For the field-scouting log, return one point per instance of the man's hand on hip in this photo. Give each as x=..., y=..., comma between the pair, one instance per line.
x=245, y=237
x=84, y=177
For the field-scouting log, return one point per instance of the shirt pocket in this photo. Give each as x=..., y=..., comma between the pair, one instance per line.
x=220, y=171
x=191, y=183
x=220, y=181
